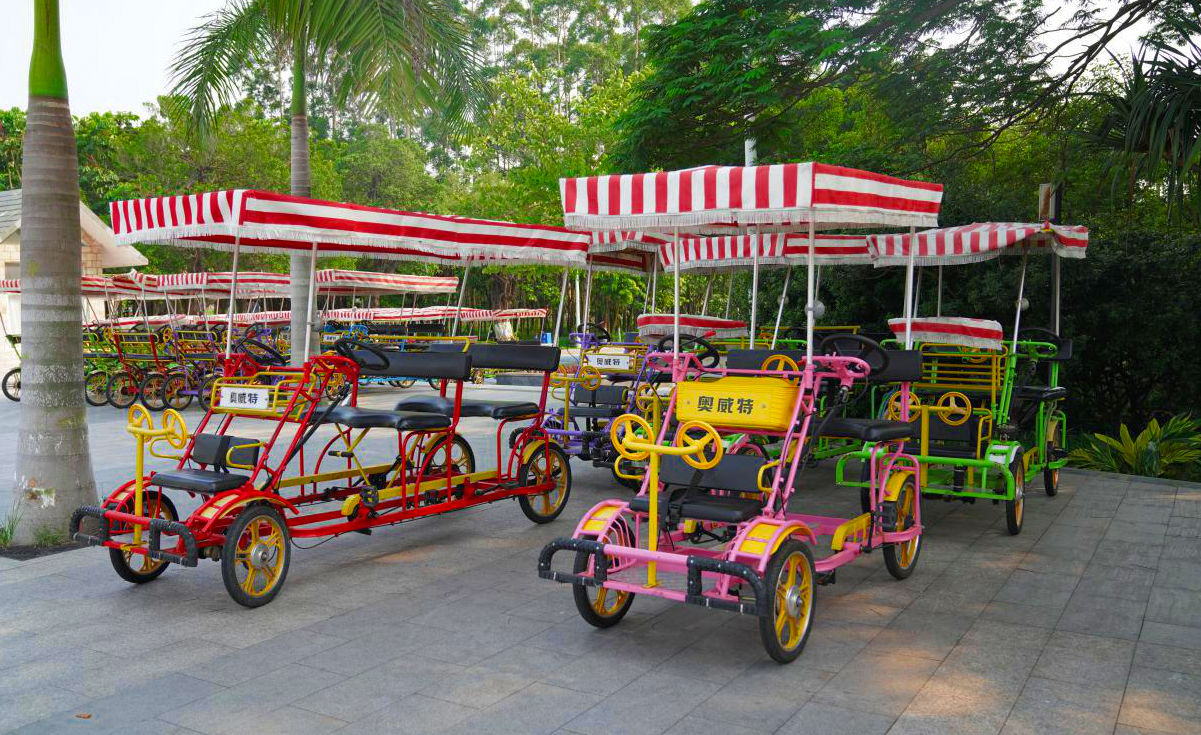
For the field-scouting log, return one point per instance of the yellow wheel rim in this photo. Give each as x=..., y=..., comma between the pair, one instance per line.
x=1019, y=497
x=141, y=563
x=259, y=558
x=548, y=465
x=606, y=602
x=905, y=518
x=794, y=601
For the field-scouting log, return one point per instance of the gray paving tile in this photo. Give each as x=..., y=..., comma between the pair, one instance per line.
x=415, y=714
x=1187, y=548
x=950, y=704
x=1173, y=658
x=1052, y=706
x=22, y=708
x=1127, y=583
x=651, y=703
x=1187, y=526
x=816, y=718
x=880, y=684
x=1086, y=659
x=921, y=634
x=1104, y=616
x=359, y=655
x=1020, y=614
x=1179, y=573
x=1036, y=588
x=1162, y=700
x=764, y=696
x=477, y=686
x=539, y=708
x=358, y=696
x=1174, y=606
x=692, y=724
x=1171, y=635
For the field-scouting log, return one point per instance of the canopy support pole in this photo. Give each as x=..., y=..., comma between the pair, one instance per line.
x=655, y=286
x=1055, y=292
x=705, y=301
x=562, y=298
x=233, y=289
x=917, y=292
x=908, y=311
x=587, y=305
x=811, y=290
x=675, y=327
x=780, y=309
x=646, y=296
x=311, y=305
x=454, y=325
x=938, y=308
x=1017, y=319
x=729, y=295
x=755, y=284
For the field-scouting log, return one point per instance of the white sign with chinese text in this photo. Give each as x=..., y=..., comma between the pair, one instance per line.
x=236, y=396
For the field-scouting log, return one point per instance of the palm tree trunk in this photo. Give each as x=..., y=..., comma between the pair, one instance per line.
x=301, y=186
x=54, y=466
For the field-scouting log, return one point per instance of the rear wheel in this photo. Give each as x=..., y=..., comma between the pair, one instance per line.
x=547, y=462
x=122, y=390
x=787, y=617
x=151, y=392
x=901, y=558
x=1051, y=476
x=12, y=384
x=254, y=562
x=95, y=384
x=865, y=493
x=139, y=568
x=461, y=456
x=206, y=392
x=176, y=393
x=599, y=606
x=1015, y=510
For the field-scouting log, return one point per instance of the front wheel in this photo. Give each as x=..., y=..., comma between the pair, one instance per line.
x=122, y=390
x=139, y=568
x=151, y=392
x=176, y=393
x=901, y=558
x=254, y=561
x=599, y=606
x=94, y=385
x=546, y=463
x=206, y=392
x=1015, y=510
x=12, y=384
x=787, y=615
x=1051, y=453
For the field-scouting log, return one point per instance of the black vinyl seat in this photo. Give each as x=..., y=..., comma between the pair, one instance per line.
x=868, y=430
x=469, y=408
x=716, y=508
x=688, y=490
x=1042, y=393
x=205, y=482
x=369, y=418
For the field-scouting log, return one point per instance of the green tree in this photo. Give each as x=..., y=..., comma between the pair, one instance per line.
x=403, y=56
x=54, y=466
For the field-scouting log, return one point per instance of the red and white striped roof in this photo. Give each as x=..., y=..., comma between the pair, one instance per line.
x=661, y=325
x=774, y=250
x=976, y=242
x=607, y=241
x=984, y=334
x=274, y=222
x=93, y=285
x=344, y=281
x=782, y=195
x=631, y=261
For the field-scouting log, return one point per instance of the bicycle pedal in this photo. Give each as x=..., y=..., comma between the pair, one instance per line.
x=830, y=577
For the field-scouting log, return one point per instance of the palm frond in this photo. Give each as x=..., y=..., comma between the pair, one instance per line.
x=204, y=71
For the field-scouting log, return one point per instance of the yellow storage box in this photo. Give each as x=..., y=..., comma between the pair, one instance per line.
x=737, y=401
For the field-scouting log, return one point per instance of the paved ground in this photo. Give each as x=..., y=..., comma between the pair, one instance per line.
x=1090, y=621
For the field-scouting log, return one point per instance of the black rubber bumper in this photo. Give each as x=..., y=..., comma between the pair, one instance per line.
x=697, y=565
x=157, y=527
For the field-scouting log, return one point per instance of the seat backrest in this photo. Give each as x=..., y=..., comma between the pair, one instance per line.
x=213, y=450
x=604, y=395
x=737, y=472
x=904, y=366
x=753, y=359
x=441, y=365
x=514, y=357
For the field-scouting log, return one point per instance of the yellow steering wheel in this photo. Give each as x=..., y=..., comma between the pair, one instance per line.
x=139, y=418
x=647, y=401
x=954, y=408
x=176, y=428
x=699, y=445
x=894, y=406
x=627, y=427
x=589, y=377
x=782, y=363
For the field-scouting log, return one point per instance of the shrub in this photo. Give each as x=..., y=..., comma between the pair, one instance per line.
x=1168, y=450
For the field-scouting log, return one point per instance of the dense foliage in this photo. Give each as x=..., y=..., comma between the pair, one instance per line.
x=963, y=93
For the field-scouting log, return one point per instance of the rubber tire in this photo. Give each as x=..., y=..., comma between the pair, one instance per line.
x=865, y=493
x=205, y=399
x=1015, y=510
x=12, y=385
x=118, y=400
x=228, y=573
x=634, y=485
x=891, y=556
x=1050, y=476
x=150, y=395
x=461, y=442
x=406, y=383
x=183, y=399
x=579, y=593
x=523, y=479
x=101, y=378
x=123, y=570
x=767, y=631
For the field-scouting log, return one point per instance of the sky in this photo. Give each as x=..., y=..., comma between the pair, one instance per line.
x=117, y=52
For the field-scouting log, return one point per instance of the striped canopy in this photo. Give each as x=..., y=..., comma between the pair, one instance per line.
x=629, y=261
x=661, y=325
x=89, y=286
x=976, y=242
x=727, y=252
x=984, y=334
x=786, y=196
x=344, y=281
x=333, y=281
x=267, y=221
x=607, y=241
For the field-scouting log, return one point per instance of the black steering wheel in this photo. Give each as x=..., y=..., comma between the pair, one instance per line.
x=1046, y=334
x=264, y=354
x=347, y=348
x=708, y=355
x=595, y=330
x=855, y=345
